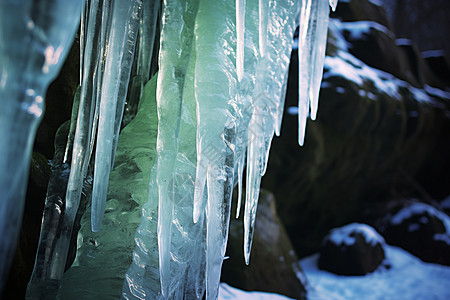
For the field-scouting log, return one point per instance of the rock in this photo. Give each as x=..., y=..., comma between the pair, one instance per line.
x=273, y=263
x=422, y=230
x=354, y=249
x=376, y=137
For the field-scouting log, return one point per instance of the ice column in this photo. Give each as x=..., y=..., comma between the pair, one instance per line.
x=35, y=37
x=119, y=58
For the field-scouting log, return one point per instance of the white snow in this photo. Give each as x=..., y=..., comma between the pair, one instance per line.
x=418, y=209
x=342, y=235
x=347, y=66
x=403, y=42
x=433, y=53
x=408, y=278
x=358, y=29
x=227, y=292
x=351, y=68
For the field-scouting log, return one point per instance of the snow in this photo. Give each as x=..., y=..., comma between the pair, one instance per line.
x=403, y=42
x=408, y=278
x=358, y=29
x=433, y=53
x=418, y=209
x=351, y=68
x=227, y=292
x=347, y=66
x=343, y=235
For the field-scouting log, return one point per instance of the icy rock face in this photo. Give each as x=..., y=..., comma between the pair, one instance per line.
x=35, y=38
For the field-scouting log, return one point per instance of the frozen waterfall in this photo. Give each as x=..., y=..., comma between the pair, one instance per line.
x=212, y=109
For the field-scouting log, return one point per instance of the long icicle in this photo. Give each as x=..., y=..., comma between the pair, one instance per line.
x=267, y=98
x=119, y=57
x=175, y=50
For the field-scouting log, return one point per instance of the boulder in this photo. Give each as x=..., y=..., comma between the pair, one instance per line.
x=354, y=249
x=422, y=230
x=273, y=263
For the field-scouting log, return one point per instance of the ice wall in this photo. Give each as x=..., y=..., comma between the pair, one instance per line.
x=219, y=100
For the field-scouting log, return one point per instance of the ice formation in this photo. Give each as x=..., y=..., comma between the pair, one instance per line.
x=219, y=99
x=35, y=39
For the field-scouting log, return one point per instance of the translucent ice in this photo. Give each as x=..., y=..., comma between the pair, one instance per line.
x=311, y=53
x=35, y=37
x=119, y=58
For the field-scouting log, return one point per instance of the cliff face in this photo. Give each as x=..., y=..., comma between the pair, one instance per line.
x=382, y=133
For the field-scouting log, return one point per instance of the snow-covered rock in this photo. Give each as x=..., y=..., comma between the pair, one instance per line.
x=354, y=249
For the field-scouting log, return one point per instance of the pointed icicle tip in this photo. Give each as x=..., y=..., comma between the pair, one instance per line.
x=333, y=4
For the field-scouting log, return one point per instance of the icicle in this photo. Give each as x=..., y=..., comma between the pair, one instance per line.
x=122, y=40
x=215, y=92
x=240, y=31
x=262, y=10
x=150, y=14
x=333, y=4
x=175, y=50
x=312, y=43
x=35, y=39
x=53, y=265
x=267, y=100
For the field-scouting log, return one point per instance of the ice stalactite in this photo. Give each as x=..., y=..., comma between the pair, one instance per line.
x=215, y=93
x=175, y=55
x=240, y=30
x=43, y=282
x=119, y=58
x=311, y=53
x=270, y=80
x=49, y=269
x=333, y=4
x=35, y=38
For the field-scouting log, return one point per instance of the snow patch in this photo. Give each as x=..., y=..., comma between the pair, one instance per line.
x=358, y=29
x=419, y=209
x=433, y=53
x=408, y=278
x=227, y=292
x=343, y=234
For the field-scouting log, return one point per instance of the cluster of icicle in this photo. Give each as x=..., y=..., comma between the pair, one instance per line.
x=222, y=79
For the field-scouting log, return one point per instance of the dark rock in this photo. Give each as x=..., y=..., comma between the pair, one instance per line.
x=421, y=229
x=376, y=138
x=273, y=263
x=355, y=249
